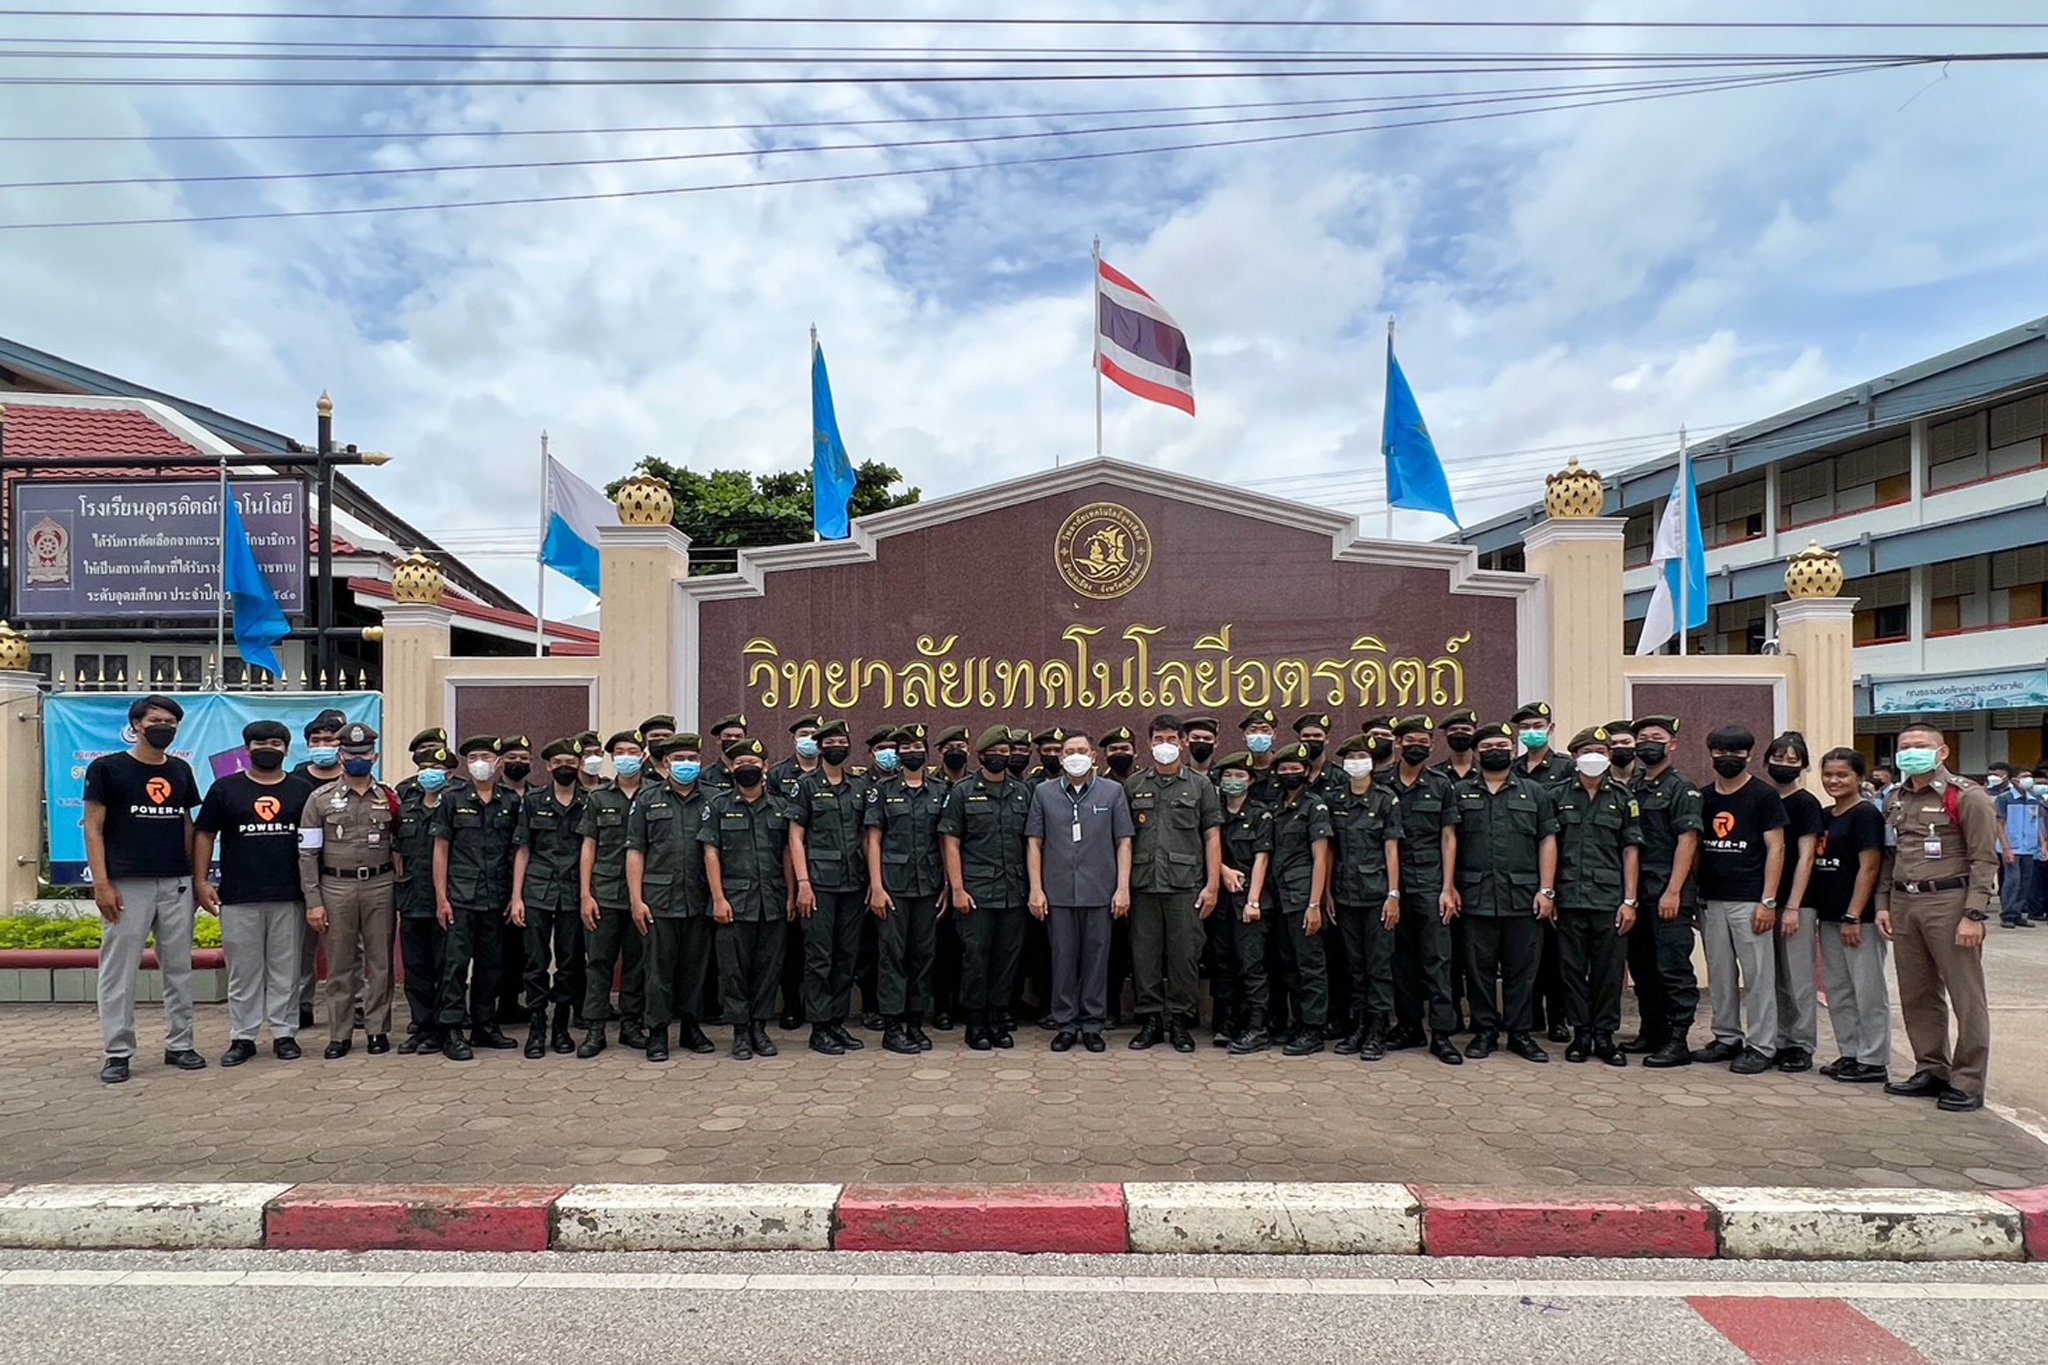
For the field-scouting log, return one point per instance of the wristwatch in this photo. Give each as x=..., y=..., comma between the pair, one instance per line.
x=1395, y=894
x=1548, y=893
x=1770, y=902
x=1630, y=902
x=1975, y=916
x=1251, y=905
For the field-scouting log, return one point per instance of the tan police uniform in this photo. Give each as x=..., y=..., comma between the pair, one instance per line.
x=346, y=865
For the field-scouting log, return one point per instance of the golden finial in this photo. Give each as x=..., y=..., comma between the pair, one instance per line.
x=1814, y=572
x=1573, y=492
x=325, y=407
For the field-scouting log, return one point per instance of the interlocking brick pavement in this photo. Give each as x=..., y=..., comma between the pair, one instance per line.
x=956, y=1115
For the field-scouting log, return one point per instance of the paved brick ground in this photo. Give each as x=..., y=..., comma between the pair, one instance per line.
x=958, y=1115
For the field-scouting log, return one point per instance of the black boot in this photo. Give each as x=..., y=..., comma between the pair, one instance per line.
x=1149, y=1034
x=1646, y=1041
x=1605, y=1049
x=537, y=1038
x=1524, y=1045
x=657, y=1044
x=1482, y=1045
x=823, y=1041
x=896, y=1038
x=632, y=1034
x=1372, y=1044
x=559, y=1040
x=1177, y=1034
x=1581, y=1046
x=1408, y=1036
x=1253, y=1039
x=915, y=1026
x=691, y=1039
x=764, y=1046
x=978, y=1036
x=1445, y=1051
x=1675, y=1052
x=1348, y=1045
x=743, y=1042
x=593, y=1042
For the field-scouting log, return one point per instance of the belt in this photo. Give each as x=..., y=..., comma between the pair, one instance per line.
x=1930, y=887
x=354, y=874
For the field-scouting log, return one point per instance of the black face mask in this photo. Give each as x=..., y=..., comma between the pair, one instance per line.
x=1415, y=755
x=1379, y=748
x=1622, y=758
x=1651, y=752
x=1461, y=743
x=159, y=736
x=516, y=772
x=267, y=760
x=954, y=760
x=1782, y=773
x=1292, y=782
x=835, y=754
x=1049, y=764
x=1730, y=766
x=748, y=777
x=1019, y=763
x=564, y=777
x=1314, y=747
x=1496, y=760
x=1200, y=750
x=1121, y=764
x=910, y=760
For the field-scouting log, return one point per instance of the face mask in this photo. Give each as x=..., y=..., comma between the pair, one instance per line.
x=685, y=772
x=266, y=760
x=1379, y=747
x=1292, y=782
x=1461, y=743
x=1918, y=762
x=807, y=747
x=1593, y=765
x=1535, y=739
x=1201, y=750
x=517, y=772
x=955, y=760
x=1994, y=780
x=1121, y=764
x=995, y=763
x=627, y=766
x=1050, y=763
x=2023, y=782
x=1314, y=747
x=885, y=759
x=1258, y=744
x=1165, y=755
x=433, y=779
x=1415, y=755
x=1624, y=757
x=1018, y=764
x=481, y=770
x=911, y=759
x=357, y=767
x=1078, y=765
x=1730, y=766
x=748, y=777
x=593, y=764
x=1357, y=767
x=1235, y=786
x=1496, y=760
x=1651, y=752
x=322, y=757
x=836, y=754
x=1781, y=773
x=564, y=776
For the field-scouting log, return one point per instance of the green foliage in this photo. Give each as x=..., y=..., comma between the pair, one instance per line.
x=727, y=510
x=58, y=931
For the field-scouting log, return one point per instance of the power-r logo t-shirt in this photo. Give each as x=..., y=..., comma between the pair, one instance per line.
x=146, y=805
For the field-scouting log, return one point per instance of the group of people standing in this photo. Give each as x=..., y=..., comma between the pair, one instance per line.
x=1421, y=879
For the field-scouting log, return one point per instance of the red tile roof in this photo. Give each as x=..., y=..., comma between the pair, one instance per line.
x=462, y=606
x=45, y=429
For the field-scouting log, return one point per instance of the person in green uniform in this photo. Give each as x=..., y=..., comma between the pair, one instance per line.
x=1237, y=949
x=546, y=897
x=515, y=770
x=425, y=745
x=655, y=729
x=1119, y=749
x=1020, y=751
x=954, y=748
x=1364, y=896
x=1660, y=946
x=745, y=833
x=1201, y=732
x=1429, y=899
x=782, y=780
x=614, y=941
x=906, y=886
x=1379, y=739
x=670, y=902
x=1176, y=866
x=1599, y=858
x=1621, y=750
x=867, y=960
x=1507, y=872
x=589, y=764
x=1300, y=881
x=421, y=939
x=827, y=856
x=474, y=827
x=983, y=832
x=1541, y=763
x=1312, y=732
x=726, y=730
x=1257, y=730
x=1460, y=730
x=1048, y=743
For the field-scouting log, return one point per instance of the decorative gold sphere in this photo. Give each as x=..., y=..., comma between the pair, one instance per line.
x=325, y=407
x=644, y=500
x=13, y=650
x=1573, y=492
x=417, y=579
x=1814, y=572
x=373, y=634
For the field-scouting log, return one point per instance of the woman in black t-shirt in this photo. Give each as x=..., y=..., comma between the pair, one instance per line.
x=1785, y=763
x=1842, y=895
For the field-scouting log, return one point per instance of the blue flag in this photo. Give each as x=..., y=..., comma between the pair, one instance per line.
x=259, y=620
x=1415, y=476
x=831, y=472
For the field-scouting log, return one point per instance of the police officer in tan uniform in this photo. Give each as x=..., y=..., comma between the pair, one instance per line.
x=346, y=867
x=1934, y=896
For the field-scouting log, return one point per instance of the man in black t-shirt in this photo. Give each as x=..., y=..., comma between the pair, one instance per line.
x=254, y=815
x=1742, y=854
x=138, y=843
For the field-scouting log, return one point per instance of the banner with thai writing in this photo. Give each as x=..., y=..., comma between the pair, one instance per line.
x=2015, y=689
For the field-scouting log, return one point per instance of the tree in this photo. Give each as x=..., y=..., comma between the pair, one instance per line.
x=728, y=510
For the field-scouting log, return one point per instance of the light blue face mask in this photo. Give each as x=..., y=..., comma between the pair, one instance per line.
x=324, y=756
x=432, y=779
x=807, y=747
x=685, y=772
x=1258, y=744
x=885, y=759
x=627, y=765
x=1917, y=762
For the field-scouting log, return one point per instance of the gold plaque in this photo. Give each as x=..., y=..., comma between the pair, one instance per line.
x=1103, y=550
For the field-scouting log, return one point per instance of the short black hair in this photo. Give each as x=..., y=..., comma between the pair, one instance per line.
x=2001, y=767
x=1925, y=727
x=265, y=729
x=155, y=701
x=1731, y=737
x=1168, y=721
x=1849, y=756
x=1791, y=742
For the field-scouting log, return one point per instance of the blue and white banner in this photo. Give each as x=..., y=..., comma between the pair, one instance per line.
x=575, y=514
x=80, y=726
x=2017, y=689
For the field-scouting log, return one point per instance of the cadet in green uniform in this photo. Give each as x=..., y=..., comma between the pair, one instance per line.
x=655, y=729
x=745, y=834
x=1257, y=729
x=906, y=882
x=1599, y=853
x=1299, y=885
x=1337, y=963
x=1312, y=733
x=1365, y=894
x=830, y=865
x=954, y=749
x=1541, y=763
x=1237, y=950
x=1621, y=750
x=421, y=938
x=867, y=961
x=1020, y=751
x=671, y=904
x=1201, y=732
x=983, y=830
x=515, y=770
x=425, y=745
x=589, y=769
x=1507, y=869
x=474, y=827
x=782, y=780
x=1660, y=946
x=547, y=898
x=1119, y=757
x=1460, y=730
x=613, y=938
x=1035, y=977
x=1176, y=865
x=1423, y=971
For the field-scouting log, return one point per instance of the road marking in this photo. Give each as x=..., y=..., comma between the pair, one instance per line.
x=885, y=1284
x=1775, y=1332
x=2025, y=1122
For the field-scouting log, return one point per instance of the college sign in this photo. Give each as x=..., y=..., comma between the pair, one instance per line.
x=2013, y=690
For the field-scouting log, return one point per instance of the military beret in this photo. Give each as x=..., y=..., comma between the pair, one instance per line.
x=682, y=742
x=994, y=735
x=912, y=733
x=433, y=734
x=831, y=729
x=1592, y=734
x=1262, y=716
x=1121, y=735
x=1621, y=727
x=507, y=743
x=805, y=723
x=1019, y=735
x=479, y=743
x=1315, y=718
x=657, y=723
x=1531, y=710
x=744, y=748
x=1292, y=753
x=588, y=740
x=1661, y=722
x=1371, y=723
x=358, y=736
x=1503, y=728
x=883, y=736
x=622, y=737
x=436, y=757
x=1458, y=718
x=1209, y=723
x=1414, y=725
x=1357, y=744
x=735, y=721
x=1052, y=735
x=952, y=734
x=330, y=719
x=1239, y=759
x=561, y=748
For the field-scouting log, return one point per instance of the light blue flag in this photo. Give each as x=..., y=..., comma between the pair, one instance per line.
x=259, y=620
x=576, y=513
x=1415, y=476
x=831, y=472
x=1680, y=554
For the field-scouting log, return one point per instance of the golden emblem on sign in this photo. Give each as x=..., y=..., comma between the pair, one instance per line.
x=48, y=552
x=1103, y=550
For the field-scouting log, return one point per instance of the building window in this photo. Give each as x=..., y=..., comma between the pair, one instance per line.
x=1884, y=613
x=107, y=672
x=1835, y=485
x=2017, y=433
x=1639, y=536
x=40, y=665
x=1732, y=514
x=2019, y=586
x=1955, y=453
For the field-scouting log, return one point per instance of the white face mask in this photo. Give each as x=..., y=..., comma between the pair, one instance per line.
x=1994, y=780
x=1078, y=765
x=1357, y=767
x=2024, y=781
x=1165, y=754
x=593, y=764
x=481, y=770
x=1594, y=765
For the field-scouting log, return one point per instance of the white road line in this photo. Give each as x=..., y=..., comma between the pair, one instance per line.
x=607, y=1282
x=2027, y=1121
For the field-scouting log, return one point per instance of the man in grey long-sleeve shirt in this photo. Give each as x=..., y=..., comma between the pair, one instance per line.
x=1077, y=841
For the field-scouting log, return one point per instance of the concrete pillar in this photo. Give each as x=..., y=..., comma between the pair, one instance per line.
x=21, y=787
x=1818, y=635
x=639, y=661
x=1580, y=561
x=416, y=637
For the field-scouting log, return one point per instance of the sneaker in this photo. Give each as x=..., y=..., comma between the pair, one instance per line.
x=1752, y=1062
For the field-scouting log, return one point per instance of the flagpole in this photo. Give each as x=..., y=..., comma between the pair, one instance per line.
x=220, y=605
x=540, y=560
x=1385, y=458
x=1684, y=550
x=1095, y=326
x=815, y=537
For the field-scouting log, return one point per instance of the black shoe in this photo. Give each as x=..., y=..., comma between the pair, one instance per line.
x=184, y=1058
x=1717, y=1051
x=1094, y=1042
x=305, y=1016
x=1253, y=1039
x=1581, y=1048
x=239, y=1051
x=492, y=1037
x=1675, y=1052
x=1150, y=1035
x=115, y=1071
x=1921, y=1085
x=1446, y=1051
x=336, y=1051
x=537, y=1041
x=559, y=1039
x=822, y=1040
x=1064, y=1040
x=1642, y=1043
x=1177, y=1034
x=1334, y=1029
x=1606, y=1050
x=2016, y=924
x=414, y=1041
x=743, y=1043
x=978, y=1038
x=1372, y=1044
x=593, y=1042
x=1349, y=1044
x=379, y=1044
x=942, y=1020
x=1481, y=1046
x=1856, y=1073
x=764, y=1046
x=919, y=1036
x=1752, y=1062
x=1954, y=1101
x=873, y=1022
x=1222, y=1035
x=790, y=1021
x=1002, y=1037
x=691, y=1039
x=1836, y=1067
x=1304, y=1043
x=457, y=1048
x=1048, y=1024
x=896, y=1038
x=843, y=1038
x=632, y=1035
x=1524, y=1045
x=1793, y=1059
x=288, y=1049
x=657, y=1044
x=1558, y=1033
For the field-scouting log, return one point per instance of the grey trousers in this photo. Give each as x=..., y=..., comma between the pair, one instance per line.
x=159, y=905
x=1080, y=966
x=1742, y=975
x=261, y=942
x=1859, y=1001
x=1798, y=1002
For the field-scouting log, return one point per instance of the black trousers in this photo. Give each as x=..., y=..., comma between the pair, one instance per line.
x=1035, y=977
x=1220, y=962
x=991, y=950
x=791, y=972
x=831, y=950
x=946, y=965
x=554, y=934
x=1590, y=955
x=906, y=944
x=511, y=969
x=1461, y=974
x=1304, y=971
x=1501, y=956
x=1337, y=968
x=1119, y=964
x=867, y=961
x=1368, y=958
x=1659, y=957
x=421, y=941
x=679, y=970
x=750, y=956
x=616, y=942
x=1423, y=974
x=1548, y=1002
x=470, y=959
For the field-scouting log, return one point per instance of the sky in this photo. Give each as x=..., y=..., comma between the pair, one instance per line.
x=1580, y=280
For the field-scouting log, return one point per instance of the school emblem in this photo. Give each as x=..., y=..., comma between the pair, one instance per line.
x=1103, y=550
x=47, y=553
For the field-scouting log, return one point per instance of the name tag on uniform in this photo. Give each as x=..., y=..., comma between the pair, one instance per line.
x=375, y=837
x=340, y=801
x=1932, y=848
x=1077, y=828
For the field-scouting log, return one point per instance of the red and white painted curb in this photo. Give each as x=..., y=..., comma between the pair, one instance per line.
x=1738, y=1223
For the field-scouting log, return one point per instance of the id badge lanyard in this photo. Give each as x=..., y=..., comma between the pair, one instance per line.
x=1075, y=799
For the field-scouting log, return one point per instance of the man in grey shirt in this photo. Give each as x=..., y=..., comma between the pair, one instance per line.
x=1077, y=850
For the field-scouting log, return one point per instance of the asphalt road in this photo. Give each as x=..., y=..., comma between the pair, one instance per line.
x=200, y=1308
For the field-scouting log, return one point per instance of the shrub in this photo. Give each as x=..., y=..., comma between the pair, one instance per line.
x=58, y=931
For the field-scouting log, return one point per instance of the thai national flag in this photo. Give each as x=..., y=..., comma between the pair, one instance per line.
x=1138, y=345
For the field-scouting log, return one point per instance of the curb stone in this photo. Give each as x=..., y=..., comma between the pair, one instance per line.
x=1769, y=1223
